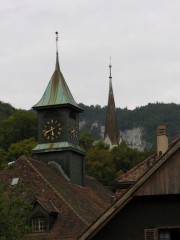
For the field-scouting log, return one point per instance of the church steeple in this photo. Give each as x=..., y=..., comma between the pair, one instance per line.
x=58, y=128
x=111, y=133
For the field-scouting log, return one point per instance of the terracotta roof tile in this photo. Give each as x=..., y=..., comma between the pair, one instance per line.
x=135, y=173
x=78, y=206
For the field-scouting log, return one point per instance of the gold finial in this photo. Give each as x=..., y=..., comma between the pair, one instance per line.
x=110, y=66
x=57, y=38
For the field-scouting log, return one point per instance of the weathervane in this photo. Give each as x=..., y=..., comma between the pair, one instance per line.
x=57, y=38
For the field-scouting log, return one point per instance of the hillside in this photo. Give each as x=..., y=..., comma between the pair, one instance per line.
x=5, y=110
x=137, y=127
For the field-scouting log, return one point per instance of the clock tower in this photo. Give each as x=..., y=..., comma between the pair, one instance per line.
x=58, y=128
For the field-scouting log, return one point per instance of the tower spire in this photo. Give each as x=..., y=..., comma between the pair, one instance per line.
x=111, y=133
x=57, y=57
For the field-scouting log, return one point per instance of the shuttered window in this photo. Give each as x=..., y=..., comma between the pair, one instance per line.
x=149, y=234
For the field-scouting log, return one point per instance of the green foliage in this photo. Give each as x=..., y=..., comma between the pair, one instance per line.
x=3, y=161
x=125, y=158
x=86, y=140
x=105, y=164
x=99, y=165
x=101, y=145
x=20, y=148
x=20, y=125
x=5, y=110
x=13, y=217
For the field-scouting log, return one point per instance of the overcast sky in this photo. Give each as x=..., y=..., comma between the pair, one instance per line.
x=141, y=36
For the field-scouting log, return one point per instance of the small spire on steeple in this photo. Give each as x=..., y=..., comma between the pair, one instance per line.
x=57, y=57
x=110, y=66
x=57, y=38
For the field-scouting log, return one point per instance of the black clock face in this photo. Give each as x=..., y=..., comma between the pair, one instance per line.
x=52, y=130
x=73, y=131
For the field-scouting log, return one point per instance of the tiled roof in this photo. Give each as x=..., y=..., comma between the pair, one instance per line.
x=139, y=170
x=78, y=206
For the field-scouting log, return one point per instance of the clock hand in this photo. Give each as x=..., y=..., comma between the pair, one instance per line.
x=50, y=130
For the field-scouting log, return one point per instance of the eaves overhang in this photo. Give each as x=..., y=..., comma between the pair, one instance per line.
x=65, y=105
x=57, y=147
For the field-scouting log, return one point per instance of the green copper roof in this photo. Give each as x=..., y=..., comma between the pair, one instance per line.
x=60, y=146
x=57, y=92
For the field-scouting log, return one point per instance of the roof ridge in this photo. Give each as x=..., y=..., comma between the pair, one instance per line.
x=45, y=180
x=134, y=168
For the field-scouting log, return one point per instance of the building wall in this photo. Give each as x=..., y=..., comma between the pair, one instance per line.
x=71, y=162
x=142, y=213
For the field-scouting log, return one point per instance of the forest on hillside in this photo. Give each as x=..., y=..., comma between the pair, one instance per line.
x=147, y=117
x=93, y=118
x=18, y=135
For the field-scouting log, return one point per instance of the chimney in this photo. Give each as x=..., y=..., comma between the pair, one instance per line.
x=162, y=140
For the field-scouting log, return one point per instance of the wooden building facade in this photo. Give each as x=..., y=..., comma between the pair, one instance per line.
x=150, y=208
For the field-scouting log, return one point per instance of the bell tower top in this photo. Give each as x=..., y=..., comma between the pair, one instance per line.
x=58, y=128
x=57, y=93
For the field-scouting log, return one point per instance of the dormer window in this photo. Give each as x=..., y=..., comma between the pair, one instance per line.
x=43, y=216
x=38, y=224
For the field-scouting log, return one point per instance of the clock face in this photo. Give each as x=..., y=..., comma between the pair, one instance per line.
x=73, y=131
x=52, y=130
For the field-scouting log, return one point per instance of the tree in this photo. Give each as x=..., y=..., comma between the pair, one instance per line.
x=20, y=148
x=101, y=145
x=125, y=158
x=99, y=165
x=20, y=125
x=86, y=140
x=13, y=216
x=3, y=161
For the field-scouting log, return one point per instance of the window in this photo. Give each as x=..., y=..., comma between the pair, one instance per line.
x=14, y=181
x=164, y=235
x=38, y=224
x=169, y=234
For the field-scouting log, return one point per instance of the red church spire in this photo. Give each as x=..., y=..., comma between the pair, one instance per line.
x=111, y=133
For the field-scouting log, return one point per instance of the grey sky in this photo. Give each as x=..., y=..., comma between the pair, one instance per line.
x=142, y=37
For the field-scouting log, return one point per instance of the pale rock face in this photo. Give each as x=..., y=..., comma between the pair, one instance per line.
x=134, y=138
x=81, y=124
